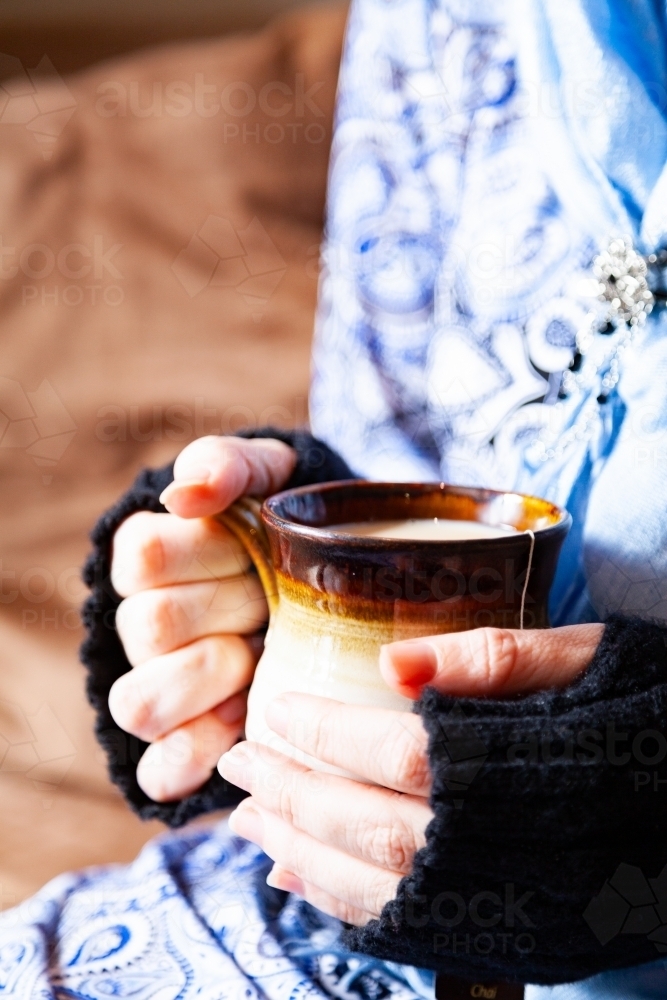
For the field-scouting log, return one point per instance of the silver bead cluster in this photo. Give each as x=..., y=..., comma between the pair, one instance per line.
x=623, y=291
x=621, y=273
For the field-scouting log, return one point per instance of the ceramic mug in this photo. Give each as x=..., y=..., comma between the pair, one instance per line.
x=334, y=599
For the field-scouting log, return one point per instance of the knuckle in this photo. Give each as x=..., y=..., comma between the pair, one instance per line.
x=313, y=734
x=390, y=847
x=494, y=656
x=161, y=620
x=286, y=809
x=147, y=624
x=320, y=742
x=411, y=768
x=382, y=848
x=212, y=656
x=150, y=559
x=138, y=553
x=198, y=452
x=234, y=455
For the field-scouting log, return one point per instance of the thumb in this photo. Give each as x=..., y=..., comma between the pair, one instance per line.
x=212, y=472
x=490, y=662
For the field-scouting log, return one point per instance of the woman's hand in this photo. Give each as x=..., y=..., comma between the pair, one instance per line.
x=344, y=845
x=189, y=612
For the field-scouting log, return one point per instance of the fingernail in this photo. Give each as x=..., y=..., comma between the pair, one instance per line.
x=240, y=753
x=181, y=486
x=280, y=878
x=246, y=822
x=233, y=764
x=277, y=715
x=233, y=710
x=413, y=662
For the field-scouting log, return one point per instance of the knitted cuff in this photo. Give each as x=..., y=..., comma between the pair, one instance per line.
x=102, y=652
x=546, y=860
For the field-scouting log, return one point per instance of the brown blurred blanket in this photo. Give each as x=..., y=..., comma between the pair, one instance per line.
x=159, y=220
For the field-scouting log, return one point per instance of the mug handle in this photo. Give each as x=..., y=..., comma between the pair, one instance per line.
x=243, y=518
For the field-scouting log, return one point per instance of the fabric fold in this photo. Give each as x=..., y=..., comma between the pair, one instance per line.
x=595, y=76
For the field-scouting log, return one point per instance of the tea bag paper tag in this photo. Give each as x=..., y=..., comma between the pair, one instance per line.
x=452, y=988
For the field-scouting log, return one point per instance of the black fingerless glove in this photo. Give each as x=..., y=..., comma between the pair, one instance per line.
x=546, y=859
x=102, y=651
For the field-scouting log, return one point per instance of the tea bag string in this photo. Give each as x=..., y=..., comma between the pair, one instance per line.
x=528, y=569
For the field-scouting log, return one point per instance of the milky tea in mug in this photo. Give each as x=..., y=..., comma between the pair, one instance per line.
x=349, y=566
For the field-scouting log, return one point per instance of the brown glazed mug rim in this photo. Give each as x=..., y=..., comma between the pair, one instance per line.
x=274, y=515
x=426, y=586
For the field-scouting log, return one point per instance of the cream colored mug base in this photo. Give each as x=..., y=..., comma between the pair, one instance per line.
x=313, y=652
